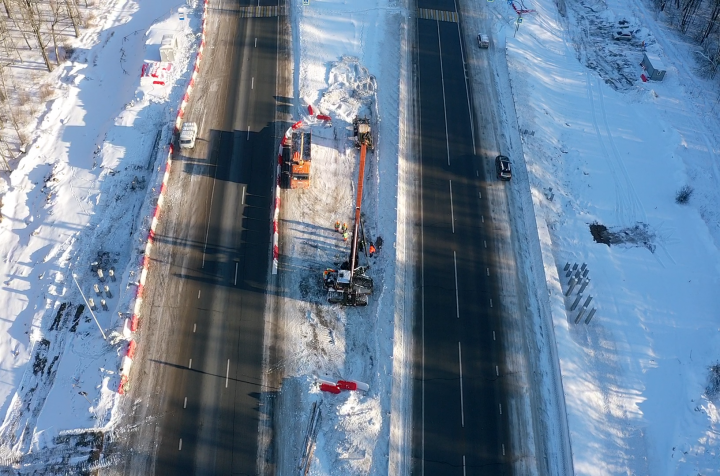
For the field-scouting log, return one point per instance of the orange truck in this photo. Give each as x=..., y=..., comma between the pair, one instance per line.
x=296, y=161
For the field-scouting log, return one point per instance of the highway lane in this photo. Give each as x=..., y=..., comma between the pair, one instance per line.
x=458, y=423
x=201, y=346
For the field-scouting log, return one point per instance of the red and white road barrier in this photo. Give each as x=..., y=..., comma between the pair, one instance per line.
x=133, y=323
x=335, y=388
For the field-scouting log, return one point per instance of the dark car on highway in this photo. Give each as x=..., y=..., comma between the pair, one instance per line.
x=502, y=164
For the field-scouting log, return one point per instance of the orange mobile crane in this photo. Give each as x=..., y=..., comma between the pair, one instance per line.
x=352, y=286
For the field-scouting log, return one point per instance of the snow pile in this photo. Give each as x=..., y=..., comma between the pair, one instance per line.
x=80, y=199
x=606, y=155
x=340, y=71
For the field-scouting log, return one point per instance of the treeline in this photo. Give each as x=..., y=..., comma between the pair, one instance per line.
x=699, y=20
x=35, y=36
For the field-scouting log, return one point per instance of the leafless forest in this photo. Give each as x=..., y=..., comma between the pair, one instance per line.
x=35, y=37
x=699, y=21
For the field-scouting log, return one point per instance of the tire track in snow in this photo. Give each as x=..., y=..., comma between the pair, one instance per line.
x=633, y=201
x=628, y=208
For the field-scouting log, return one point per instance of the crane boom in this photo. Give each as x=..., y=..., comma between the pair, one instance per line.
x=358, y=207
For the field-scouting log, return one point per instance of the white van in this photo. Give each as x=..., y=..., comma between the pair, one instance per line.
x=188, y=135
x=483, y=40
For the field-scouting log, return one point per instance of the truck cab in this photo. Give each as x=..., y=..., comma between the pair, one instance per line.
x=188, y=134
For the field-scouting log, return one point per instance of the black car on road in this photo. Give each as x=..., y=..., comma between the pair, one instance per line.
x=502, y=164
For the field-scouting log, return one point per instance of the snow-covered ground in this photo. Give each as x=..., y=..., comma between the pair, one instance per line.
x=599, y=147
x=602, y=147
x=81, y=194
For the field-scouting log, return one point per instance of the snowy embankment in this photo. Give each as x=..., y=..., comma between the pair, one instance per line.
x=607, y=153
x=346, y=64
x=82, y=194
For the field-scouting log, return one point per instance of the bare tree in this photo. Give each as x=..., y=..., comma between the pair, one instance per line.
x=74, y=15
x=34, y=21
x=711, y=23
x=689, y=8
x=55, y=19
x=7, y=41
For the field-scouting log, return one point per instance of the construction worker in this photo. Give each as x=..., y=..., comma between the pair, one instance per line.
x=344, y=227
x=345, y=235
x=372, y=250
x=337, y=226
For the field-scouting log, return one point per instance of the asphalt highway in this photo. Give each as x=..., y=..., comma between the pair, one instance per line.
x=459, y=427
x=197, y=393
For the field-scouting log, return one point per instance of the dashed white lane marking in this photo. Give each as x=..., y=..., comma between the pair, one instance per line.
x=464, y=473
x=503, y=448
x=452, y=212
x=255, y=42
x=457, y=298
x=482, y=218
x=485, y=243
x=194, y=328
x=248, y=134
x=490, y=302
x=198, y=294
x=252, y=82
x=180, y=445
x=190, y=364
x=185, y=403
x=488, y=271
x=500, y=408
x=236, y=270
x=227, y=374
x=477, y=173
x=462, y=407
x=442, y=78
x=497, y=370
x=480, y=194
x=207, y=229
x=493, y=335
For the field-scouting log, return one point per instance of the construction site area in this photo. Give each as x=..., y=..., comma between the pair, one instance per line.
x=336, y=257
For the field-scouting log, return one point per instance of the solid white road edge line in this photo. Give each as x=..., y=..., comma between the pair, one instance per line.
x=442, y=77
